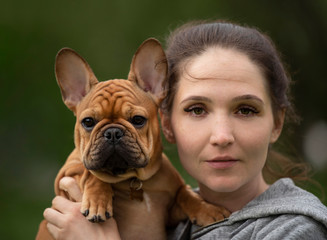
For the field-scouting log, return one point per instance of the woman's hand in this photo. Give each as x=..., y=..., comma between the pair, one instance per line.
x=65, y=221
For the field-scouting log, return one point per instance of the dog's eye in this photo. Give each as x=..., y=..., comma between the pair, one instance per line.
x=138, y=121
x=88, y=123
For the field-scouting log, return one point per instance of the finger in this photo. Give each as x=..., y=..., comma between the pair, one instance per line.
x=53, y=216
x=69, y=185
x=53, y=230
x=64, y=205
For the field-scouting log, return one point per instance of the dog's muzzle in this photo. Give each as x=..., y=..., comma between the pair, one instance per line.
x=115, y=152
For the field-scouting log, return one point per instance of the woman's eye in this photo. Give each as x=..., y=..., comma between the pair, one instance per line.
x=196, y=111
x=247, y=111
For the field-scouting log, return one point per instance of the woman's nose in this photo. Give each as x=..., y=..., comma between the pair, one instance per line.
x=222, y=133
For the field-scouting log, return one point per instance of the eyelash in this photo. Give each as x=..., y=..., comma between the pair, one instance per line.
x=191, y=110
x=252, y=111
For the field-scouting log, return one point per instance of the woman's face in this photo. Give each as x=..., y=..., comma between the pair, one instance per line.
x=222, y=120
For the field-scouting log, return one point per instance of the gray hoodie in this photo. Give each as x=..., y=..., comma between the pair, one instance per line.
x=284, y=211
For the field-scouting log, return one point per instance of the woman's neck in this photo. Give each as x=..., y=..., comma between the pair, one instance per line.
x=234, y=201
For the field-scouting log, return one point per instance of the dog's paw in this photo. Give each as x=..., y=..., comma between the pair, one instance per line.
x=197, y=209
x=206, y=213
x=97, y=199
x=97, y=210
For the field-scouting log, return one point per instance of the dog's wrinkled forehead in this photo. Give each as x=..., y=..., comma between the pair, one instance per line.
x=117, y=98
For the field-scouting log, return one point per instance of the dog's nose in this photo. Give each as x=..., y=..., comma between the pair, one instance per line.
x=113, y=135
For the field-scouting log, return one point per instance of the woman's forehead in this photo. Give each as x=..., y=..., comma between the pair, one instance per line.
x=220, y=62
x=221, y=70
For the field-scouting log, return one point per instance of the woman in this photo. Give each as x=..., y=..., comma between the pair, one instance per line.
x=226, y=104
x=227, y=98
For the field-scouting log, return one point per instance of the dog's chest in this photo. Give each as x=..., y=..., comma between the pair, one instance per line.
x=141, y=219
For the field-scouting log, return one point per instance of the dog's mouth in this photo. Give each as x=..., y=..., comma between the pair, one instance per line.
x=116, y=164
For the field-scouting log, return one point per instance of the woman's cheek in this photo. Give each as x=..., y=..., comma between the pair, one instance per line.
x=255, y=146
x=255, y=134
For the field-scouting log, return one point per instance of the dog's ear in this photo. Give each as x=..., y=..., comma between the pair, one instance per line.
x=74, y=76
x=149, y=68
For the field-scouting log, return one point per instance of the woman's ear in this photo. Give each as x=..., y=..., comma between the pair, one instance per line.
x=278, y=125
x=166, y=127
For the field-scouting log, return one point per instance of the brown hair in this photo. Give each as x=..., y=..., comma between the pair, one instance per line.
x=194, y=38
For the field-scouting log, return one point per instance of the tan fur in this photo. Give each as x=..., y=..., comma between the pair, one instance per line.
x=165, y=199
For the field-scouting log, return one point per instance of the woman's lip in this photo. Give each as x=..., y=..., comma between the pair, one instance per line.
x=222, y=162
x=222, y=158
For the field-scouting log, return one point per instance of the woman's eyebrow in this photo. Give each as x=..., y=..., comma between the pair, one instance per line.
x=197, y=98
x=236, y=99
x=248, y=97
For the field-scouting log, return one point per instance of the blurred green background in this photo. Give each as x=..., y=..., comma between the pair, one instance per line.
x=36, y=129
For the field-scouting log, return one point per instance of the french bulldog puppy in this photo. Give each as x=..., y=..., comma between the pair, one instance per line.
x=118, y=159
